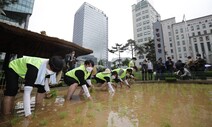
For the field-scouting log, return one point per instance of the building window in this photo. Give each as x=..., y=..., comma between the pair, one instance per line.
x=170, y=34
x=171, y=45
x=193, y=34
x=200, y=38
x=210, y=24
x=178, y=43
x=184, y=49
x=176, y=31
x=172, y=51
x=170, y=39
x=183, y=42
x=199, y=33
x=182, y=36
x=202, y=47
x=196, y=48
x=177, y=37
x=144, y=28
x=185, y=55
x=168, y=27
x=203, y=26
x=192, y=28
x=138, y=19
x=209, y=46
x=145, y=33
x=207, y=38
x=179, y=49
x=181, y=30
x=197, y=27
x=138, y=14
x=180, y=56
x=205, y=31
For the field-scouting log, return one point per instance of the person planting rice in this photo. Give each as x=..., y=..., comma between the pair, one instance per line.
x=37, y=72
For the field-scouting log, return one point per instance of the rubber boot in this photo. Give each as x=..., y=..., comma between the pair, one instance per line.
x=8, y=105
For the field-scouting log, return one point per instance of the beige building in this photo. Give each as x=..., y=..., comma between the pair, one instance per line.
x=144, y=15
x=187, y=38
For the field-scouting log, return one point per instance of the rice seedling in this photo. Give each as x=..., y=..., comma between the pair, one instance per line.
x=53, y=93
x=78, y=110
x=90, y=114
x=98, y=107
x=43, y=122
x=165, y=122
x=15, y=120
x=123, y=111
x=78, y=120
x=62, y=115
x=90, y=104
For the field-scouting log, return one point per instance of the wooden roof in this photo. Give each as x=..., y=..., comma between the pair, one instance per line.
x=16, y=40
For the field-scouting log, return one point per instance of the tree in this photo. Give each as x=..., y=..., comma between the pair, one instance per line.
x=118, y=48
x=125, y=62
x=130, y=45
x=148, y=49
x=100, y=62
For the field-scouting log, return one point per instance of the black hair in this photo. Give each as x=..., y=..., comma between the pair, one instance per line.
x=198, y=54
x=56, y=63
x=134, y=58
x=129, y=70
x=89, y=62
x=114, y=73
x=189, y=57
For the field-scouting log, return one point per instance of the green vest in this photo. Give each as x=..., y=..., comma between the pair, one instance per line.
x=20, y=65
x=131, y=64
x=101, y=75
x=123, y=74
x=71, y=73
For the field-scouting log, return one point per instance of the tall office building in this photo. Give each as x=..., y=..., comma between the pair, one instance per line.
x=91, y=30
x=187, y=38
x=18, y=14
x=144, y=15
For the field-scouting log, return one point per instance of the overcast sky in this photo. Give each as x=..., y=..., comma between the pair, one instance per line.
x=56, y=17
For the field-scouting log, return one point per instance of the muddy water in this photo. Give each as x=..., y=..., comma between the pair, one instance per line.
x=143, y=105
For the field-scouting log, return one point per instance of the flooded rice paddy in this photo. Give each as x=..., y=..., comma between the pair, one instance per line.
x=143, y=105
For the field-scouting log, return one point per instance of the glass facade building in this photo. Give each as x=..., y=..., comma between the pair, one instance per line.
x=18, y=13
x=91, y=30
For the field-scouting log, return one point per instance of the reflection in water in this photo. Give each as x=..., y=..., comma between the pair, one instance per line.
x=59, y=100
x=143, y=105
x=19, y=107
x=115, y=120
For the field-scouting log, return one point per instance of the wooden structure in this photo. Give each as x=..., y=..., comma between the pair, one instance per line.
x=15, y=40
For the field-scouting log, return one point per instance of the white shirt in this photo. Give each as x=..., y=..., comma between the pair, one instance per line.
x=149, y=65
